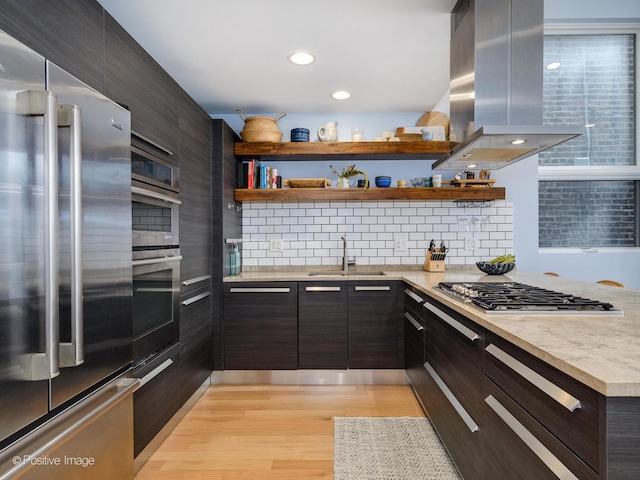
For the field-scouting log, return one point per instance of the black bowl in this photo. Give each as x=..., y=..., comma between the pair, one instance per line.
x=495, y=268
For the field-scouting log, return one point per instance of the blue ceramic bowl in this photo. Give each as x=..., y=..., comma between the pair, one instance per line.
x=383, y=182
x=300, y=135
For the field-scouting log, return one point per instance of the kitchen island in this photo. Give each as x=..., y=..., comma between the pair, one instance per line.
x=600, y=351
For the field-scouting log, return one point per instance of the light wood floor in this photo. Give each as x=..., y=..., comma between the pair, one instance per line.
x=268, y=432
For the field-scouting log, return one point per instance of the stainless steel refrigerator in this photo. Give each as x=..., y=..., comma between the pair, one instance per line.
x=65, y=268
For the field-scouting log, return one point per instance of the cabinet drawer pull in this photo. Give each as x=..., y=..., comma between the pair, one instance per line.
x=260, y=290
x=548, y=458
x=191, y=300
x=373, y=288
x=322, y=289
x=413, y=322
x=156, y=371
x=467, y=332
x=466, y=418
x=559, y=395
x=413, y=295
x=191, y=281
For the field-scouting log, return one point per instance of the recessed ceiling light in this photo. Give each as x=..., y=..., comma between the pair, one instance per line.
x=302, y=58
x=518, y=141
x=472, y=165
x=553, y=65
x=340, y=95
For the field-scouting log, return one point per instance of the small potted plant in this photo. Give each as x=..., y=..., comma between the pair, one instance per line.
x=350, y=171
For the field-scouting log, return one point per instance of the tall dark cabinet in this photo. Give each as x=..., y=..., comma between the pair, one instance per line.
x=133, y=78
x=195, y=246
x=226, y=221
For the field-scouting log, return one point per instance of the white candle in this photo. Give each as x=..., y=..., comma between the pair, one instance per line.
x=357, y=137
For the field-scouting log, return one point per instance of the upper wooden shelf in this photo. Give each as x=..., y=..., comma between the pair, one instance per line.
x=320, y=194
x=344, y=150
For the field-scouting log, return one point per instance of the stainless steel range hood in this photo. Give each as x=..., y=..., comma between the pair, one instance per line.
x=496, y=85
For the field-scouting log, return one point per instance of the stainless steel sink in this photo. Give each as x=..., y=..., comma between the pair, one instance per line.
x=345, y=274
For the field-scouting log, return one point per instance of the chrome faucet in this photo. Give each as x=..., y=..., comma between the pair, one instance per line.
x=346, y=261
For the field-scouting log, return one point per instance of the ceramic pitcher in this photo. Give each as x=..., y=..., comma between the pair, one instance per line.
x=328, y=132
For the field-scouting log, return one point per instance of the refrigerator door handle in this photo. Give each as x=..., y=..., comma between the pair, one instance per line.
x=72, y=353
x=44, y=365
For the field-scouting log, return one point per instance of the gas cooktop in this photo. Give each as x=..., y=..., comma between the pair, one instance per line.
x=514, y=297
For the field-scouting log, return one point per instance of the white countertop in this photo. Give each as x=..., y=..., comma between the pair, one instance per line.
x=601, y=351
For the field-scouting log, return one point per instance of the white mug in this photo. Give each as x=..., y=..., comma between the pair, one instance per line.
x=437, y=180
x=328, y=132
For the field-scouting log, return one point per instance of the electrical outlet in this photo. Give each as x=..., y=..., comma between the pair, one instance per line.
x=400, y=245
x=470, y=243
x=275, y=245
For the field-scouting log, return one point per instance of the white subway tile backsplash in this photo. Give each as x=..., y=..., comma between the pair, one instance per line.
x=311, y=232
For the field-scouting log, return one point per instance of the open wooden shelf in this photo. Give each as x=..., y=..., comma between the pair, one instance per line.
x=343, y=150
x=324, y=194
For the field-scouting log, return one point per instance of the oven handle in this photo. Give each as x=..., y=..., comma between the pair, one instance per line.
x=153, y=261
x=156, y=195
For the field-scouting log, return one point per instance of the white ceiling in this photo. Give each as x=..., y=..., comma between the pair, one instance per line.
x=392, y=55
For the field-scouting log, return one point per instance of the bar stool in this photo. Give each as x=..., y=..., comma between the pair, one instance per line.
x=613, y=283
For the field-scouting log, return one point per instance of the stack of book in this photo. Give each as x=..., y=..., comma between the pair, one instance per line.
x=251, y=174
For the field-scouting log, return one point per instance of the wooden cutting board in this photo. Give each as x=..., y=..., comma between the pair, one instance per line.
x=435, y=118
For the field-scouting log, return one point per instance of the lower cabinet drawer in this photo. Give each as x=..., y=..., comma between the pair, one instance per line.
x=460, y=431
x=517, y=447
x=454, y=347
x=566, y=407
x=158, y=397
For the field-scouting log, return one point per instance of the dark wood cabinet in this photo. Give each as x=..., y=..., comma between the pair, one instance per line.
x=195, y=246
x=455, y=385
x=195, y=192
x=567, y=408
x=503, y=413
x=68, y=32
x=518, y=446
x=195, y=339
x=226, y=222
x=158, y=399
x=454, y=347
x=376, y=327
x=322, y=325
x=414, y=340
x=133, y=78
x=261, y=326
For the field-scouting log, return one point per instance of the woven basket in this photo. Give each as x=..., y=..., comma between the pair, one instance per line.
x=252, y=136
x=260, y=129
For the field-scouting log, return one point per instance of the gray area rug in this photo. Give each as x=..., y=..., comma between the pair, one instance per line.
x=398, y=448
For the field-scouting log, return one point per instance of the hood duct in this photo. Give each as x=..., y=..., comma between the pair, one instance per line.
x=496, y=85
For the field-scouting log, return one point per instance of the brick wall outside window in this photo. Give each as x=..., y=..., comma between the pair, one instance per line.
x=595, y=85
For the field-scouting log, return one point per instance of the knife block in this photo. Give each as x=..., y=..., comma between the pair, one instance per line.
x=431, y=265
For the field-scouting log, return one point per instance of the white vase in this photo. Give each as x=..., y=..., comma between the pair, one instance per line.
x=343, y=182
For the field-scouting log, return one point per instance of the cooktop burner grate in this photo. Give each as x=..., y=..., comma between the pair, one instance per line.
x=514, y=296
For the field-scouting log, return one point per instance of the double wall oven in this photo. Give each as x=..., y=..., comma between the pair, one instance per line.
x=155, y=202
